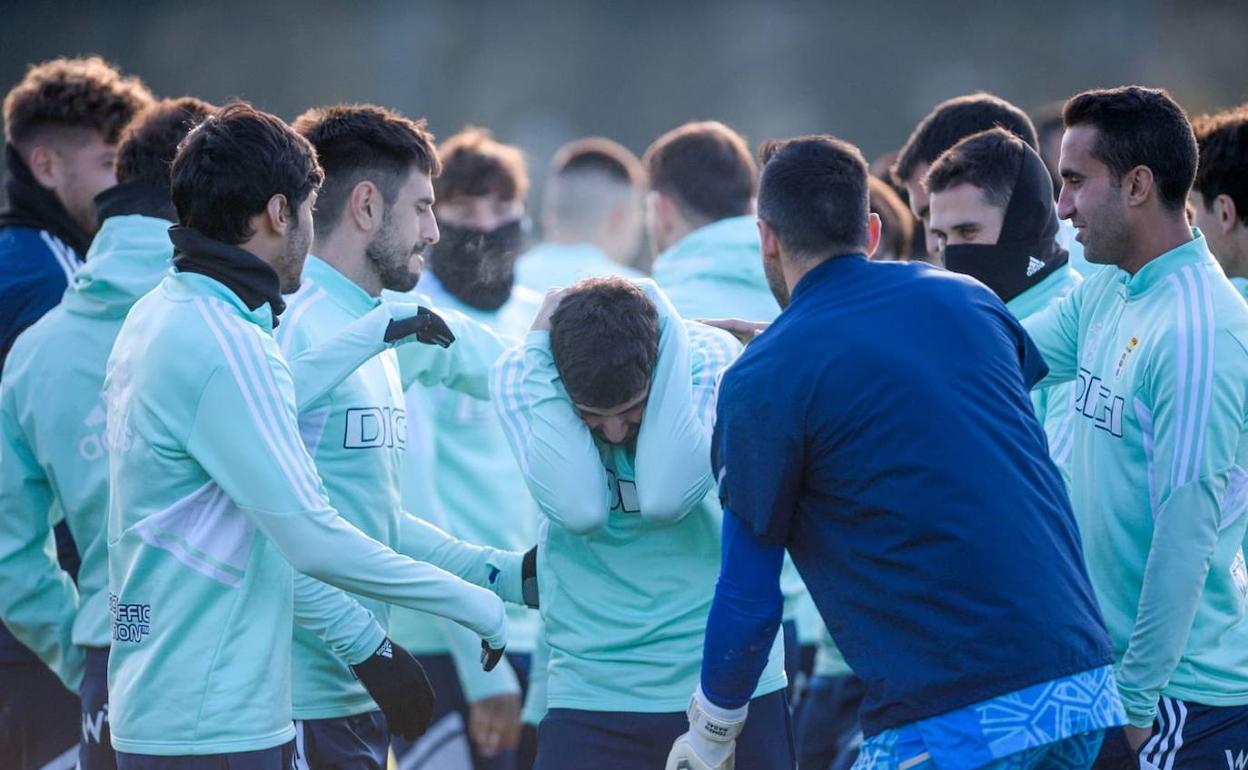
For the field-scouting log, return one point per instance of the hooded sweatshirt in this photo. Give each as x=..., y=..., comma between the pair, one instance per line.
x=717, y=271
x=53, y=446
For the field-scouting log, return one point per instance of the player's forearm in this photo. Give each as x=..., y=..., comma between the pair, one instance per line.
x=490, y=568
x=463, y=367
x=322, y=545
x=38, y=600
x=562, y=466
x=346, y=627
x=318, y=370
x=1185, y=534
x=673, y=446
x=744, y=619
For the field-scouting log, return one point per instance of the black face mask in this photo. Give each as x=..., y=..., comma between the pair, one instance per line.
x=478, y=267
x=1025, y=253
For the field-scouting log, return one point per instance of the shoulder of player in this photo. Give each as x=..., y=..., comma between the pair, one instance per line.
x=30, y=257
x=307, y=310
x=1199, y=313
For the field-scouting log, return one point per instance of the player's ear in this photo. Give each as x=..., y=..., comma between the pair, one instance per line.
x=1228, y=216
x=769, y=240
x=875, y=228
x=364, y=205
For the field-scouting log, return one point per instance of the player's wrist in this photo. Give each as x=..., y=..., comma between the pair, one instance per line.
x=713, y=729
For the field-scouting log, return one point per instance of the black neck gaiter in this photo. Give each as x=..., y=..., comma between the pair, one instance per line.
x=129, y=198
x=242, y=272
x=33, y=205
x=478, y=267
x=1025, y=253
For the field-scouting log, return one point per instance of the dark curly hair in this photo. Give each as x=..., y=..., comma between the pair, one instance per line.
x=604, y=337
x=150, y=142
x=232, y=164
x=1223, y=167
x=475, y=163
x=361, y=142
x=73, y=93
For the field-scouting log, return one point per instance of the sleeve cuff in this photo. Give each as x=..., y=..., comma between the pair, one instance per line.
x=365, y=644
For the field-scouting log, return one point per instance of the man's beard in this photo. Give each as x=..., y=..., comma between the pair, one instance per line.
x=478, y=266
x=392, y=259
x=1106, y=237
x=775, y=282
x=290, y=268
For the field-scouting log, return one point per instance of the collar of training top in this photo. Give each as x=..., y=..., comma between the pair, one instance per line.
x=242, y=272
x=130, y=198
x=33, y=205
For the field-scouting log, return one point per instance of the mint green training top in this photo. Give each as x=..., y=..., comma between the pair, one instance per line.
x=1158, y=478
x=212, y=500
x=1052, y=404
x=53, y=461
x=357, y=433
x=630, y=550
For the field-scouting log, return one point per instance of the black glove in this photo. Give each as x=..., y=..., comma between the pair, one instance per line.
x=427, y=325
x=528, y=578
x=490, y=656
x=398, y=683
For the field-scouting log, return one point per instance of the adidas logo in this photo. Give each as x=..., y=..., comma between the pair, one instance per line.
x=1033, y=266
x=385, y=650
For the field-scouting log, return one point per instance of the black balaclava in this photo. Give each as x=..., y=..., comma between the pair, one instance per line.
x=33, y=205
x=1026, y=252
x=478, y=267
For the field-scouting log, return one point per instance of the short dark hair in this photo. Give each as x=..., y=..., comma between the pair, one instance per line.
x=895, y=217
x=358, y=142
x=814, y=195
x=955, y=119
x=989, y=160
x=149, y=144
x=475, y=163
x=232, y=163
x=706, y=167
x=1139, y=126
x=605, y=340
x=1223, y=168
x=598, y=155
x=73, y=93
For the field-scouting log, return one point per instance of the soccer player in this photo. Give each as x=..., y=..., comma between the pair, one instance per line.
x=466, y=464
x=54, y=448
x=374, y=220
x=61, y=125
x=591, y=217
x=991, y=210
x=608, y=406
x=702, y=182
x=1156, y=346
x=948, y=123
x=898, y=457
x=213, y=497
x=1220, y=194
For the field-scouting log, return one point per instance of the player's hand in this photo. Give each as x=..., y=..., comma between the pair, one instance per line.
x=1136, y=736
x=745, y=331
x=494, y=724
x=398, y=684
x=528, y=579
x=550, y=304
x=490, y=656
x=711, y=742
x=427, y=327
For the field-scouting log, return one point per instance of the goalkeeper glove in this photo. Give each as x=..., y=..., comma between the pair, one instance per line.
x=710, y=743
x=397, y=682
x=427, y=325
